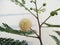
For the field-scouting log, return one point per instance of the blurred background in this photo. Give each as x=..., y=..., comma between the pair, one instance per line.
x=11, y=14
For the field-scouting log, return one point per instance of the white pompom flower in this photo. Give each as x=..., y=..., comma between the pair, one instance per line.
x=25, y=24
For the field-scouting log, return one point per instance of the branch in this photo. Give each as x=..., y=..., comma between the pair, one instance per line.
x=38, y=19
x=8, y=29
x=51, y=14
x=58, y=9
x=40, y=7
x=27, y=9
x=45, y=20
x=34, y=32
x=36, y=8
x=15, y=32
x=39, y=37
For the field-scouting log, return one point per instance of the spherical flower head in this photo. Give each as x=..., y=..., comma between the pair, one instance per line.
x=25, y=24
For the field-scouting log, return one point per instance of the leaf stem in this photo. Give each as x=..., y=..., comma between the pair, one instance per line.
x=45, y=20
x=34, y=32
x=57, y=9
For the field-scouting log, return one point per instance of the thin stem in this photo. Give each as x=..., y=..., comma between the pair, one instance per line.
x=36, y=8
x=45, y=20
x=34, y=32
x=27, y=9
x=40, y=7
x=38, y=19
x=30, y=12
x=57, y=9
x=38, y=24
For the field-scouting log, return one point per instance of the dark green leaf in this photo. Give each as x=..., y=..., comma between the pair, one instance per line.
x=55, y=38
x=12, y=0
x=58, y=32
x=58, y=43
x=51, y=25
x=31, y=1
x=6, y=26
x=9, y=41
x=23, y=1
x=16, y=0
x=18, y=3
x=8, y=29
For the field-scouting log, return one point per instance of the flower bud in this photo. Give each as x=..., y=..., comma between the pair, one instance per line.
x=44, y=4
x=53, y=13
x=30, y=8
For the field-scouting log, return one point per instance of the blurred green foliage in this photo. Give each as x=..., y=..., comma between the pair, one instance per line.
x=8, y=29
x=57, y=40
x=9, y=41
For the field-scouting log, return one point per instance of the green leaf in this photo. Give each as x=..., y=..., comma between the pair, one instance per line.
x=41, y=10
x=9, y=41
x=58, y=43
x=16, y=0
x=12, y=0
x=6, y=26
x=23, y=1
x=55, y=38
x=31, y=1
x=18, y=3
x=58, y=32
x=24, y=43
x=8, y=29
x=51, y=25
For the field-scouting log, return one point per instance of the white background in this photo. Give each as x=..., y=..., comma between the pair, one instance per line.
x=12, y=14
